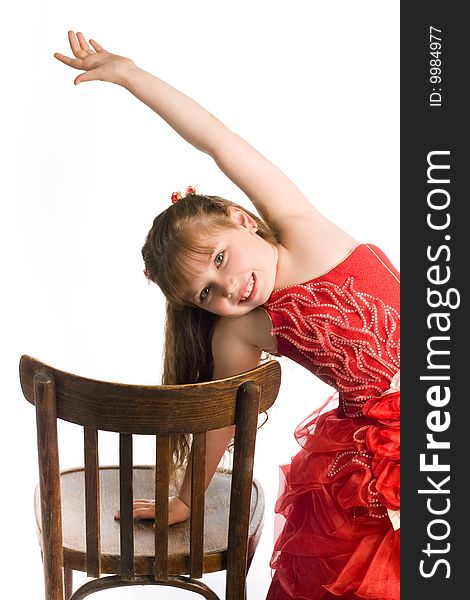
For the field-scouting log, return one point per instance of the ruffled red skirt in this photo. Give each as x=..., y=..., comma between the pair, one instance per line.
x=337, y=539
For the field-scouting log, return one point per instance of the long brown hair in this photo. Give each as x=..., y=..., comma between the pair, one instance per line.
x=184, y=230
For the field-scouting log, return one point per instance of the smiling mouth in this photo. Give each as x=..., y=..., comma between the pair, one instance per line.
x=248, y=289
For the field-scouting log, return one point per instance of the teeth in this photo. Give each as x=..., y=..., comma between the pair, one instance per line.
x=249, y=288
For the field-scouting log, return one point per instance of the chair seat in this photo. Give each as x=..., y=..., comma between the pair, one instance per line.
x=217, y=501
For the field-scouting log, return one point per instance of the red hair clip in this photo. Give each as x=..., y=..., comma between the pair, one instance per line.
x=147, y=275
x=191, y=190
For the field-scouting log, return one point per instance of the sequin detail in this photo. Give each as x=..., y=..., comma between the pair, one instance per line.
x=349, y=339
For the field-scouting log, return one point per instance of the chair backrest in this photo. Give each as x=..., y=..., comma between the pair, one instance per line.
x=152, y=410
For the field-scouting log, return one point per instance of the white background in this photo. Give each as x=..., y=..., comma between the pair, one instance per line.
x=313, y=85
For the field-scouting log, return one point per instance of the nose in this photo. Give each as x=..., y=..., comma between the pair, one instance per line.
x=228, y=288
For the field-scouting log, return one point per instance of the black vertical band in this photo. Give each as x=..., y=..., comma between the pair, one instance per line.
x=435, y=253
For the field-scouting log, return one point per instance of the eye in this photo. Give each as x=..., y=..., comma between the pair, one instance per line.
x=205, y=292
x=218, y=260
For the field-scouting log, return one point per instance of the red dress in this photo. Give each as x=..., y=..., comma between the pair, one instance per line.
x=341, y=491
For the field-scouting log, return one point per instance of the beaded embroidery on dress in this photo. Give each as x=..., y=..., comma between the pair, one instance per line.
x=341, y=491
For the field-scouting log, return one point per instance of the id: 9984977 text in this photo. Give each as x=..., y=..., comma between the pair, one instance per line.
x=435, y=62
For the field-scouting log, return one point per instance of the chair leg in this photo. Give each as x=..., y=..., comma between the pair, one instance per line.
x=68, y=583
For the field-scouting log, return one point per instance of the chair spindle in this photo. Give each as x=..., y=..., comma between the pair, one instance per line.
x=92, y=503
x=162, y=483
x=126, y=500
x=198, y=477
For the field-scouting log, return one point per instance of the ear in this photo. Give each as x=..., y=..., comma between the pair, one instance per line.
x=243, y=219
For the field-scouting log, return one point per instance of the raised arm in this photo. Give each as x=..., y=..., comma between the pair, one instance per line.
x=271, y=191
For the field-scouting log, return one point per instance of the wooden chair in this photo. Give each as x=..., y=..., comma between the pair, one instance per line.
x=75, y=508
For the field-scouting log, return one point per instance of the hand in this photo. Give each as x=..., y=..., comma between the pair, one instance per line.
x=178, y=512
x=99, y=64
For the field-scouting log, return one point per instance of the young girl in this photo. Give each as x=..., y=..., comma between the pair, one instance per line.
x=291, y=284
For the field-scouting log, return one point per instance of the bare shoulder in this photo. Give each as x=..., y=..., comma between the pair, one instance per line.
x=253, y=329
x=237, y=343
x=312, y=245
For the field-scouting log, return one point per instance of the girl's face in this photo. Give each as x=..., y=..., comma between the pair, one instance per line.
x=240, y=274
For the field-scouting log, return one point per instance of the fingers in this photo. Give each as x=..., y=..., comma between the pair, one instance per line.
x=84, y=77
x=75, y=46
x=71, y=62
x=139, y=513
x=79, y=51
x=78, y=45
x=96, y=46
x=86, y=58
x=83, y=43
x=144, y=512
x=142, y=509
